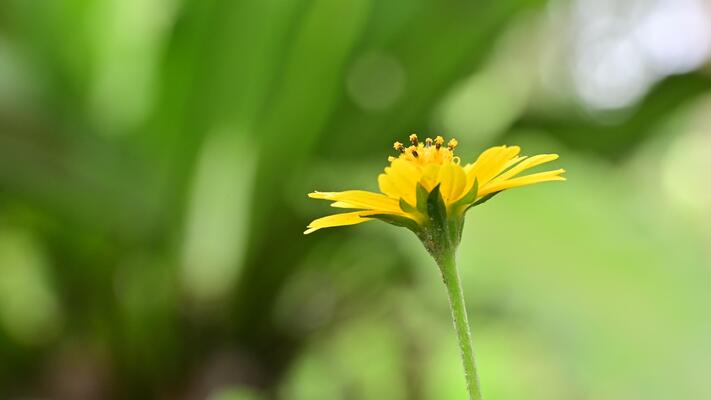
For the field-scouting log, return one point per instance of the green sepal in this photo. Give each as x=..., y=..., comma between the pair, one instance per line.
x=483, y=199
x=440, y=234
x=407, y=207
x=398, y=220
x=436, y=209
x=469, y=197
x=422, y=196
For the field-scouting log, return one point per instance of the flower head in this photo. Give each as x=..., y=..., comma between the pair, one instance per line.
x=427, y=190
x=425, y=187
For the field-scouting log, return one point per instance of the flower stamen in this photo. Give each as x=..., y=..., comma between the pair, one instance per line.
x=399, y=147
x=452, y=144
x=413, y=139
x=439, y=141
x=413, y=151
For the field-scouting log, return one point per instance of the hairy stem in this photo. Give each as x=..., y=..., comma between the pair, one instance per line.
x=450, y=275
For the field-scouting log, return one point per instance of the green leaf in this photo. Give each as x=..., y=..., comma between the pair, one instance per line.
x=398, y=220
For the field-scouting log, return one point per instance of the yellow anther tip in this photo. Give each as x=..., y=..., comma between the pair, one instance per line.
x=413, y=139
x=413, y=150
x=439, y=140
x=397, y=146
x=452, y=144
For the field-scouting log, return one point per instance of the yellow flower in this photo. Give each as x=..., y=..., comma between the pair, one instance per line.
x=427, y=190
x=423, y=170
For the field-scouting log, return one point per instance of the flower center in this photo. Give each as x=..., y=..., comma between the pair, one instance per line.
x=429, y=152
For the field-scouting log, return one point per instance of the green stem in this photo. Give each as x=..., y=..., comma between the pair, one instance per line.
x=450, y=275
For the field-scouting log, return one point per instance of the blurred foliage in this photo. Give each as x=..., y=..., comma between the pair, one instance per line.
x=154, y=160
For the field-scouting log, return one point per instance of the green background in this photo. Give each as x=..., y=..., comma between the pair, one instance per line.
x=155, y=158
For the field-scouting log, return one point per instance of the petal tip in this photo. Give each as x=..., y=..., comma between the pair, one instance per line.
x=319, y=195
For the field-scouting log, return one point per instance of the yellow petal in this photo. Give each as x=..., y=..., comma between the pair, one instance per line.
x=400, y=180
x=497, y=164
x=452, y=182
x=430, y=176
x=343, y=219
x=359, y=199
x=513, y=162
x=523, y=181
x=490, y=163
x=526, y=164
